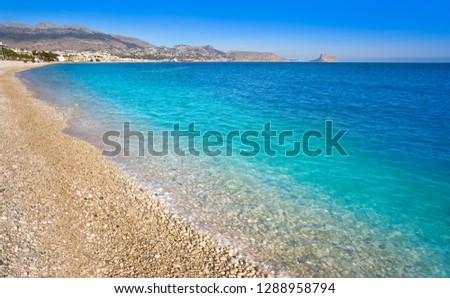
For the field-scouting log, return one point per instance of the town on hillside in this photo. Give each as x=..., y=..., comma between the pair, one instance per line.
x=34, y=56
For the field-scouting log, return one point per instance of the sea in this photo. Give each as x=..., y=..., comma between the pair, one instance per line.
x=366, y=195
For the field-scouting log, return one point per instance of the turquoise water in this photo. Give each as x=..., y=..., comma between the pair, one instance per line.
x=383, y=210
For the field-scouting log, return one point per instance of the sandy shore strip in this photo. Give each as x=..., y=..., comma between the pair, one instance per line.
x=67, y=211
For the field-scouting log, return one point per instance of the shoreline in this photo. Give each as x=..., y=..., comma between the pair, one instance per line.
x=69, y=212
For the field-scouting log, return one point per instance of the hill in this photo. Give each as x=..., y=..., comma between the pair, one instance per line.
x=50, y=37
x=325, y=58
x=254, y=56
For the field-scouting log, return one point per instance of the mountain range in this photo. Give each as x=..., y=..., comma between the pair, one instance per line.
x=51, y=37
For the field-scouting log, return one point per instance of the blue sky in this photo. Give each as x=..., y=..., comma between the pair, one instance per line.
x=352, y=30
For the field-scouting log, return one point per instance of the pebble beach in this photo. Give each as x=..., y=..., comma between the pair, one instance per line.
x=67, y=211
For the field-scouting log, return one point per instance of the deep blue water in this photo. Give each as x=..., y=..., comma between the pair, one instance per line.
x=383, y=210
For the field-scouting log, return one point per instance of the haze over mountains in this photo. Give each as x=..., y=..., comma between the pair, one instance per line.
x=51, y=37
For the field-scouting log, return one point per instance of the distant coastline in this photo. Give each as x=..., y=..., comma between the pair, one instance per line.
x=75, y=43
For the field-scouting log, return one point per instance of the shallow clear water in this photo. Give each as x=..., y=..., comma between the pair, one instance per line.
x=383, y=210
